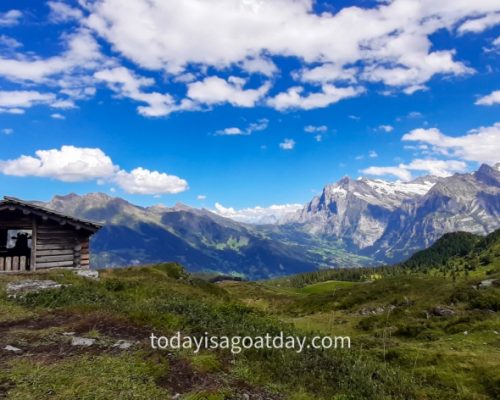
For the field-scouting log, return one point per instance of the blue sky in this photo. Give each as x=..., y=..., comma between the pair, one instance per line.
x=243, y=103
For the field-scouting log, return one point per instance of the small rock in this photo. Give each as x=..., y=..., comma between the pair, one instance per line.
x=13, y=349
x=176, y=396
x=123, y=344
x=466, y=333
x=81, y=341
x=30, y=286
x=495, y=332
x=486, y=283
x=371, y=310
x=87, y=273
x=246, y=396
x=442, y=311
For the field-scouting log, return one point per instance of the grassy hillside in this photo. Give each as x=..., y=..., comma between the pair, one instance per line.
x=414, y=335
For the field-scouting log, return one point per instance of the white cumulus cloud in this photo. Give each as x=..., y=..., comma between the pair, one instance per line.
x=144, y=181
x=428, y=166
x=258, y=215
x=478, y=25
x=195, y=44
x=481, y=145
x=490, y=99
x=67, y=164
x=215, y=90
x=329, y=94
x=78, y=164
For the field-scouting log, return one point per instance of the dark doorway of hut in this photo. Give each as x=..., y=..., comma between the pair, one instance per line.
x=15, y=249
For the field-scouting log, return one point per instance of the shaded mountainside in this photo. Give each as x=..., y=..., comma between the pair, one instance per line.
x=199, y=239
x=456, y=244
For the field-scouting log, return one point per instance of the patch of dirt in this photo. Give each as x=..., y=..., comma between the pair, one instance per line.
x=43, y=321
x=109, y=325
x=182, y=378
x=59, y=346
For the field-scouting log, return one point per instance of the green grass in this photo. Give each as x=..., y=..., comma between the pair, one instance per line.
x=326, y=287
x=85, y=377
x=401, y=348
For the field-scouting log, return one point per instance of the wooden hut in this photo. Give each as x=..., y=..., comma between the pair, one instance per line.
x=33, y=237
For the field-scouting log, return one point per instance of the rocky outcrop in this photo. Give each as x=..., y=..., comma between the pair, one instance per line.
x=20, y=288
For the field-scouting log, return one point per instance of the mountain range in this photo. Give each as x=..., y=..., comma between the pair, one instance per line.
x=352, y=223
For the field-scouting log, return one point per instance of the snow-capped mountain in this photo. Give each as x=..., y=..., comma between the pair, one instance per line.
x=389, y=220
x=357, y=211
x=462, y=202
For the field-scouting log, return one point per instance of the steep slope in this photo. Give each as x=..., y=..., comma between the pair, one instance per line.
x=456, y=244
x=199, y=239
x=358, y=211
x=462, y=202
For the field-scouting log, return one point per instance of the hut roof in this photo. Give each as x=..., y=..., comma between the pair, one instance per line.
x=46, y=213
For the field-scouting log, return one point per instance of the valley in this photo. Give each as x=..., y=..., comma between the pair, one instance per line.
x=353, y=223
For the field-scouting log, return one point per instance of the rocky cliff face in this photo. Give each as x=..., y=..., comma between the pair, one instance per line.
x=389, y=220
x=358, y=211
x=462, y=202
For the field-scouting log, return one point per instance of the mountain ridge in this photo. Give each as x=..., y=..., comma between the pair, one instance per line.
x=354, y=222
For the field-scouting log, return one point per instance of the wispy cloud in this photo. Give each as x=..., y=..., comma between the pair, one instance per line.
x=257, y=126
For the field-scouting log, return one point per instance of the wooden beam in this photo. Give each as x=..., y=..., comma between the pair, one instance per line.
x=60, y=252
x=55, y=264
x=34, y=244
x=64, y=257
x=53, y=246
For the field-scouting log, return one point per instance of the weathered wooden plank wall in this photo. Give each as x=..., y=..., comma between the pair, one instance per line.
x=56, y=246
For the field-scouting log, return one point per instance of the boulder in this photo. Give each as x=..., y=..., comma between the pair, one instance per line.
x=441, y=311
x=88, y=273
x=19, y=288
x=487, y=283
x=81, y=341
x=123, y=344
x=13, y=349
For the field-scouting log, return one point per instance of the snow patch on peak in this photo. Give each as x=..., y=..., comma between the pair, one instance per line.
x=393, y=188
